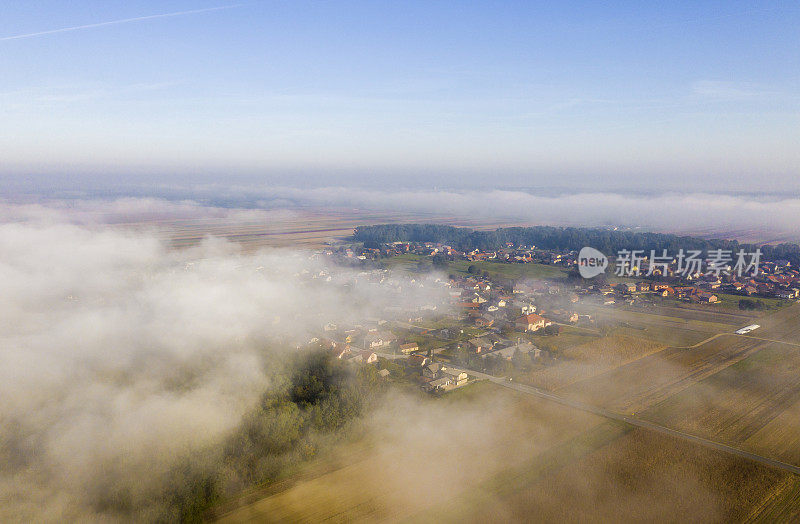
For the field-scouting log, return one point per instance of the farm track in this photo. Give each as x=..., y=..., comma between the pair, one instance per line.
x=652, y=379
x=733, y=407
x=648, y=380
x=640, y=423
x=767, y=410
x=705, y=369
x=776, y=341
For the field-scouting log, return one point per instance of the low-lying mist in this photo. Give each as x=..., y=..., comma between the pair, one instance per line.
x=123, y=360
x=756, y=218
x=749, y=216
x=139, y=382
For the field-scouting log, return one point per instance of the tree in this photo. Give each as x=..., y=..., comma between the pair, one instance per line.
x=473, y=269
x=552, y=329
x=395, y=369
x=748, y=304
x=439, y=261
x=521, y=360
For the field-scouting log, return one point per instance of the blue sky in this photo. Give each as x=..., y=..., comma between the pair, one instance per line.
x=507, y=94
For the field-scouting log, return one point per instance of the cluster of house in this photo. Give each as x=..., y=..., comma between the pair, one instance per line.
x=510, y=253
x=502, y=312
x=362, y=344
x=478, y=302
x=436, y=376
x=774, y=278
x=494, y=346
x=706, y=288
x=628, y=291
x=493, y=307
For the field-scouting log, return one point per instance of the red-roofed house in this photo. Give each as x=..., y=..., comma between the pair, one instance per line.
x=531, y=322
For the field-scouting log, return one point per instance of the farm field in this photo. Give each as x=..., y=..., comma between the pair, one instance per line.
x=701, y=312
x=653, y=378
x=731, y=302
x=588, y=359
x=782, y=325
x=627, y=475
x=295, y=227
x=568, y=337
x=510, y=271
x=567, y=466
x=780, y=437
x=640, y=333
x=727, y=304
x=429, y=461
x=495, y=269
x=752, y=404
x=680, y=331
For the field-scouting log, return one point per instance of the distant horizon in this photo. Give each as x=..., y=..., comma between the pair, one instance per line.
x=124, y=184
x=745, y=217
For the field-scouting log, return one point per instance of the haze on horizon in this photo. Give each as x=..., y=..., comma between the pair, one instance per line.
x=698, y=97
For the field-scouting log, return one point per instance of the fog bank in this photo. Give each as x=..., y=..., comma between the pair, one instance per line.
x=121, y=357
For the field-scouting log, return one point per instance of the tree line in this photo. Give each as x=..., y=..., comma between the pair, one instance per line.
x=313, y=396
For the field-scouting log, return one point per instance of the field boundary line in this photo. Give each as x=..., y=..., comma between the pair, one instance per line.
x=644, y=424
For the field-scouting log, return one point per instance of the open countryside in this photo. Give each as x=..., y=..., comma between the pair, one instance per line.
x=651, y=399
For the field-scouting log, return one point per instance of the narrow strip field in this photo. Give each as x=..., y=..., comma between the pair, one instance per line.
x=782, y=325
x=651, y=379
x=738, y=404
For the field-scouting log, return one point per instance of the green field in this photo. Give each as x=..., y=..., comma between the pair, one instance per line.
x=495, y=269
x=510, y=271
x=728, y=301
x=569, y=336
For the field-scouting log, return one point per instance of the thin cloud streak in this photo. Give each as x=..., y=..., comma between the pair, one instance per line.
x=118, y=22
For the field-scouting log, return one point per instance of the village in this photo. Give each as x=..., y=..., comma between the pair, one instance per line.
x=774, y=278
x=494, y=324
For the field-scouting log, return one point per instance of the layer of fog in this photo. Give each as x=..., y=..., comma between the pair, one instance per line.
x=121, y=357
x=671, y=212
x=750, y=217
x=496, y=457
x=129, y=210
